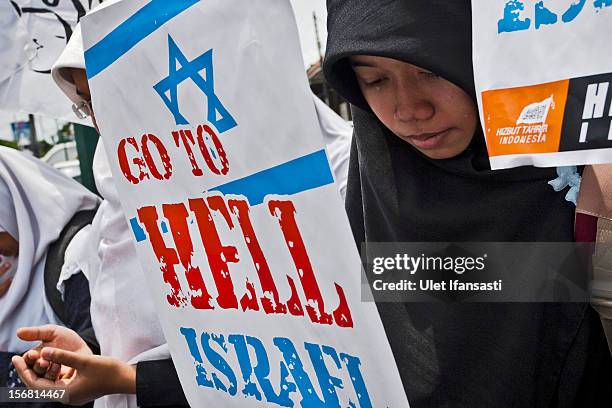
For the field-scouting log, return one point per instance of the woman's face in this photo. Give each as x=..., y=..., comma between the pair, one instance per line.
x=79, y=78
x=8, y=245
x=432, y=114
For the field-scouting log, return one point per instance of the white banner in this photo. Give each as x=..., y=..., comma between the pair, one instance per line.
x=214, y=144
x=33, y=35
x=542, y=71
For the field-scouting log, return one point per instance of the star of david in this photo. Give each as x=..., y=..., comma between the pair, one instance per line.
x=167, y=88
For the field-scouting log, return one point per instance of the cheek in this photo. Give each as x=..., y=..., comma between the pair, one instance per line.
x=469, y=117
x=459, y=108
x=381, y=103
x=8, y=245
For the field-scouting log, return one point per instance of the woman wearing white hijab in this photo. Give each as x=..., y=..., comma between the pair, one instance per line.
x=36, y=203
x=126, y=326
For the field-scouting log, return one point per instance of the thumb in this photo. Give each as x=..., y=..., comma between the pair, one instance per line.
x=67, y=358
x=40, y=333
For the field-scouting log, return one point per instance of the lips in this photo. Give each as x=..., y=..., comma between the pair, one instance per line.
x=428, y=140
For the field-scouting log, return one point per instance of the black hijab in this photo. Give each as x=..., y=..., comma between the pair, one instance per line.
x=472, y=355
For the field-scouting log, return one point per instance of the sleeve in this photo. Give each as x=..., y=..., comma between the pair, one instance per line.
x=158, y=385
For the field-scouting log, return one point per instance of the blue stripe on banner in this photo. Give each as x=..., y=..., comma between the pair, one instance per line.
x=305, y=173
x=139, y=233
x=133, y=30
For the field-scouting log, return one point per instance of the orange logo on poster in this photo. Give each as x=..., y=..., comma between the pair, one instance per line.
x=524, y=120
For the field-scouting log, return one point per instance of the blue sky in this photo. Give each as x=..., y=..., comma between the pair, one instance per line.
x=303, y=12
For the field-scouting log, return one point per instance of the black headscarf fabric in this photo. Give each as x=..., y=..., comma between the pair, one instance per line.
x=435, y=35
x=472, y=355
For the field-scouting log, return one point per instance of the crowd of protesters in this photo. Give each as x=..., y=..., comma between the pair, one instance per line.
x=417, y=161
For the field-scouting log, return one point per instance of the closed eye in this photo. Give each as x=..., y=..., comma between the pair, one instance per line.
x=373, y=82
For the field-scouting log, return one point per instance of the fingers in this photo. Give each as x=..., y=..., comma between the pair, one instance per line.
x=28, y=376
x=41, y=366
x=31, y=356
x=4, y=268
x=41, y=333
x=4, y=286
x=44, y=368
x=63, y=357
x=66, y=373
x=53, y=371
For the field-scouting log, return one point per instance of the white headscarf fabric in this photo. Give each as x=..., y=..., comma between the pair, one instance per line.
x=36, y=202
x=71, y=57
x=8, y=219
x=337, y=134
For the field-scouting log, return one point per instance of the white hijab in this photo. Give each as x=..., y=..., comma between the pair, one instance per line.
x=337, y=134
x=122, y=311
x=36, y=202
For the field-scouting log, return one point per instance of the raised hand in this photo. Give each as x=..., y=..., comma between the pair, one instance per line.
x=90, y=376
x=51, y=336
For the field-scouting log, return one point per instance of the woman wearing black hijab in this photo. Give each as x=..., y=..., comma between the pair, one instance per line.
x=417, y=174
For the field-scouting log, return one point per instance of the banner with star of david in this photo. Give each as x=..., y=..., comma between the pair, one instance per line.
x=214, y=144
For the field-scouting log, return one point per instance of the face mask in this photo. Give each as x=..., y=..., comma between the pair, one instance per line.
x=12, y=263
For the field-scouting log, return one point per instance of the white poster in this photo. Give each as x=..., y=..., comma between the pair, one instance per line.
x=205, y=110
x=33, y=35
x=543, y=71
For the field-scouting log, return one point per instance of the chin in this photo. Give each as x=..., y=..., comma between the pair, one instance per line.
x=440, y=154
x=446, y=151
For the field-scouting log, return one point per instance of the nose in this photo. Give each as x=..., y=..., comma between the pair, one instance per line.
x=411, y=106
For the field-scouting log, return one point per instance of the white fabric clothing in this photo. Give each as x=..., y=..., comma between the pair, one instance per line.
x=70, y=269
x=36, y=202
x=337, y=134
x=71, y=57
x=122, y=310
